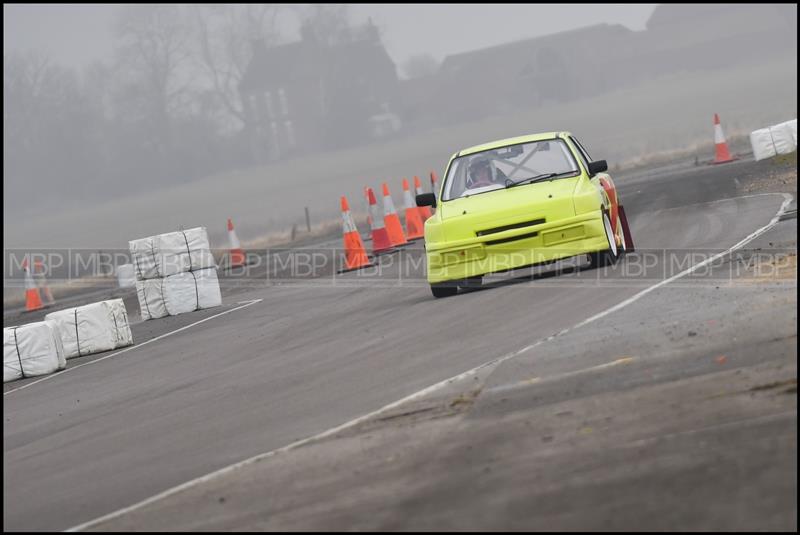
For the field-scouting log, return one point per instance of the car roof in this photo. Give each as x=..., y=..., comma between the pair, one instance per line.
x=511, y=141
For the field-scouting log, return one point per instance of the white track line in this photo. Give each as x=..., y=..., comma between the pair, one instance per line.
x=557, y=377
x=421, y=393
x=131, y=348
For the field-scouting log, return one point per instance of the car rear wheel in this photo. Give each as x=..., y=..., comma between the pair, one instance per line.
x=610, y=255
x=444, y=289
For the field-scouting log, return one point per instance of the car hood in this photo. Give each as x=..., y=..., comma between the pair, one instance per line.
x=550, y=200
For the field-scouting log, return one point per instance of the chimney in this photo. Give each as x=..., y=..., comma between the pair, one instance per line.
x=307, y=33
x=371, y=32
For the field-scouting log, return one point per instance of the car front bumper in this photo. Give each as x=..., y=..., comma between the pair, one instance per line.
x=516, y=248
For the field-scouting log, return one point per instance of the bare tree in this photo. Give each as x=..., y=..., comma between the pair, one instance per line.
x=24, y=81
x=51, y=128
x=327, y=23
x=153, y=57
x=225, y=36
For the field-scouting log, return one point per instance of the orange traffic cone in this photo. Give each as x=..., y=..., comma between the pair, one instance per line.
x=380, y=237
x=236, y=255
x=366, y=198
x=414, y=228
x=433, y=186
x=355, y=256
x=424, y=211
x=32, y=299
x=723, y=155
x=391, y=219
x=41, y=282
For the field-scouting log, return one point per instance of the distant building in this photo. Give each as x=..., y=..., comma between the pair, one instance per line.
x=705, y=37
x=588, y=61
x=308, y=96
x=526, y=73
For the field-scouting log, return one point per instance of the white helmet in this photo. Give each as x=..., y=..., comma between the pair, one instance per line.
x=477, y=164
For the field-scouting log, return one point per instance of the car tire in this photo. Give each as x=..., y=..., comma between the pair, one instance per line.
x=471, y=283
x=610, y=255
x=444, y=289
x=623, y=244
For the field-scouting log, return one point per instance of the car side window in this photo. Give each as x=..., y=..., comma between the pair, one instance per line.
x=581, y=154
x=582, y=150
x=584, y=155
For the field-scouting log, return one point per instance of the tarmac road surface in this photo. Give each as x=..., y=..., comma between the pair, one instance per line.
x=314, y=354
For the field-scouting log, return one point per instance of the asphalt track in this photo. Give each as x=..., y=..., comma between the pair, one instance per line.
x=312, y=355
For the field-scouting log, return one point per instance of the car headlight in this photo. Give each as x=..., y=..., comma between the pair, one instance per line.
x=434, y=230
x=586, y=198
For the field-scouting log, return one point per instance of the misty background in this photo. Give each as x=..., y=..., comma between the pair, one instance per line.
x=122, y=121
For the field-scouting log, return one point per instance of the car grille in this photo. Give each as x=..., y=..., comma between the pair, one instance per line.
x=514, y=238
x=509, y=227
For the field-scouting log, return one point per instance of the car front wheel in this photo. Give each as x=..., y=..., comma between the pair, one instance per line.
x=444, y=289
x=623, y=245
x=610, y=255
x=471, y=283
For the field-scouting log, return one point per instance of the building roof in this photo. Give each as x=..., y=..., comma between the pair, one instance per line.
x=289, y=61
x=517, y=51
x=669, y=14
x=307, y=59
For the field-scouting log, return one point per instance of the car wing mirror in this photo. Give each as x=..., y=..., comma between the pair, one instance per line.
x=597, y=166
x=426, y=199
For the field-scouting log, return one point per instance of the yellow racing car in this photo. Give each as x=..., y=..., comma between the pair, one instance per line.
x=520, y=202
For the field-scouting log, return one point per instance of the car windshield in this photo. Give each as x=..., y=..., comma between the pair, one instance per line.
x=494, y=169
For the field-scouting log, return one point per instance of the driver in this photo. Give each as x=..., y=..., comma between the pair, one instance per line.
x=482, y=172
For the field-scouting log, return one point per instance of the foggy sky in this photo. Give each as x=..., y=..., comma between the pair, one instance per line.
x=74, y=35
x=109, y=169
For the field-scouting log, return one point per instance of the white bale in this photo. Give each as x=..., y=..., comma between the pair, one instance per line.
x=785, y=136
x=126, y=276
x=123, y=326
x=174, y=252
x=782, y=136
x=771, y=141
x=62, y=355
x=150, y=293
x=30, y=350
x=179, y=293
x=762, y=144
x=93, y=328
